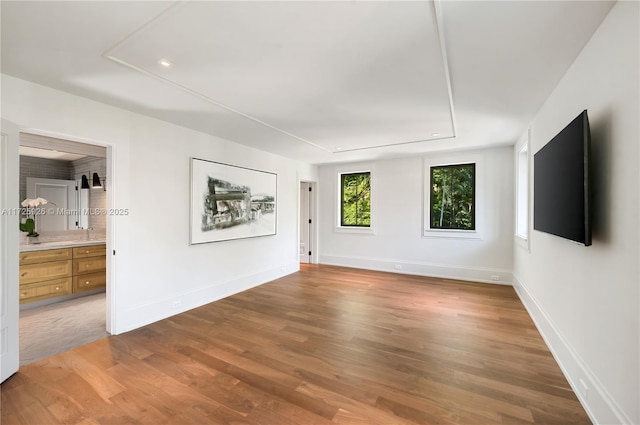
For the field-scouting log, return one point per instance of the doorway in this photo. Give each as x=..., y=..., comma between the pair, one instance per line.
x=307, y=244
x=59, y=170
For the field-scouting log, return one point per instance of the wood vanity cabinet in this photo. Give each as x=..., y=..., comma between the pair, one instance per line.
x=89, y=267
x=31, y=257
x=45, y=274
x=55, y=272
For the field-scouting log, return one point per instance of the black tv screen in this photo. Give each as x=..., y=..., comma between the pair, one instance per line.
x=561, y=183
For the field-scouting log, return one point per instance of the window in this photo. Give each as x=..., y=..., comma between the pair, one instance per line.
x=522, y=193
x=355, y=199
x=452, y=197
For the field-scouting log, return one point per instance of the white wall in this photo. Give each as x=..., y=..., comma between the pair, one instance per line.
x=397, y=214
x=154, y=266
x=585, y=300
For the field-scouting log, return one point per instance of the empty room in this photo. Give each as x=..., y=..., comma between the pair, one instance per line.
x=320, y=212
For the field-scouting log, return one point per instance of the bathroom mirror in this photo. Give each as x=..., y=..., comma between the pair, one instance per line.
x=83, y=206
x=52, y=169
x=67, y=205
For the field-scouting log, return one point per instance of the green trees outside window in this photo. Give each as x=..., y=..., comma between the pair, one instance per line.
x=355, y=199
x=453, y=196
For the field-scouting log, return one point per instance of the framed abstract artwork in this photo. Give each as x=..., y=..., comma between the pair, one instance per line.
x=231, y=202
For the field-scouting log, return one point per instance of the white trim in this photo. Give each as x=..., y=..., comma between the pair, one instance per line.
x=111, y=287
x=600, y=405
x=522, y=240
x=154, y=310
x=9, y=310
x=419, y=268
x=350, y=169
x=62, y=137
x=354, y=230
x=45, y=140
x=452, y=234
x=476, y=158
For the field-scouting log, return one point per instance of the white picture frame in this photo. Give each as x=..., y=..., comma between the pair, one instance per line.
x=231, y=202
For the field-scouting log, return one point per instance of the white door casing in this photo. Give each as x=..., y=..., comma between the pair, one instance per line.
x=305, y=226
x=9, y=221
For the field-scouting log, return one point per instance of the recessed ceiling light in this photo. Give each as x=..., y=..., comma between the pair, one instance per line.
x=165, y=63
x=435, y=134
x=338, y=149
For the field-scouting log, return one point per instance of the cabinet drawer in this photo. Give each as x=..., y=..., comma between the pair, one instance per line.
x=89, y=281
x=90, y=251
x=89, y=265
x=49, y=289
x=31, y=257
x=32, y=273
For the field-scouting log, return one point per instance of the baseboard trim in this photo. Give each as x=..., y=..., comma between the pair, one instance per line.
x=155, y=310
x=445, y=271
x=599, y=405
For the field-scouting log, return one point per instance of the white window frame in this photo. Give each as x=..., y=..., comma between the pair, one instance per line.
x=351, y=169
x=454, y=159
x=522, y=219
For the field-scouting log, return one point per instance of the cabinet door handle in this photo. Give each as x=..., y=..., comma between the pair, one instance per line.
x=87, y=282
x=87, y=251
x=57, y=288
x=23, y=294
x=24, y=274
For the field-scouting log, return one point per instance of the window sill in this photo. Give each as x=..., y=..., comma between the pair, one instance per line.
x=452, y=234
x=355, y=230
x=522, y=242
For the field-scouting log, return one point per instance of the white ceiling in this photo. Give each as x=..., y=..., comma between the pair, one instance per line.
x=41, y=146
x=49, y=154
x=324, y=81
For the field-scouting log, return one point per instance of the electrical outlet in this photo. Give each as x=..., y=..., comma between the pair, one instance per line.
x=176, y=304
x=495, y=277
x=398, y=266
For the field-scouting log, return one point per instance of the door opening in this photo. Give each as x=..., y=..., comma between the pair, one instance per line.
x=306, y=222
x=74, y=227
x=9, y=311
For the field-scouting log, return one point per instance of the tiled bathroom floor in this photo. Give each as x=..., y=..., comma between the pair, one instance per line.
x=55, y=328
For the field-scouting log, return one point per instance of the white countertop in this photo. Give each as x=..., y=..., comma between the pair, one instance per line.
x=60, y=244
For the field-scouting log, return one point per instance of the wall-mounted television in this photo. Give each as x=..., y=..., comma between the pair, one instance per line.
x=562, y=184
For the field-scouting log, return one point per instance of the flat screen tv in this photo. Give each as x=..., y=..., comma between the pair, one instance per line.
x=561, y=183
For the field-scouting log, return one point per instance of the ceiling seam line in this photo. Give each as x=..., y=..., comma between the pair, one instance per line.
x=213, y=101
x=396, y=144
x=107, y=53
x=438, y=21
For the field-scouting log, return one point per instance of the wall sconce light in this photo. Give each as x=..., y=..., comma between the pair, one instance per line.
x=96, y=180
x=85, y=182
x=97, y=183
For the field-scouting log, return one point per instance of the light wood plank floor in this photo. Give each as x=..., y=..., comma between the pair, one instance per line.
x=327, y=345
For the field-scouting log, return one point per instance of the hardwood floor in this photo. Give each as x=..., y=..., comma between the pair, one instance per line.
x=327, y=345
